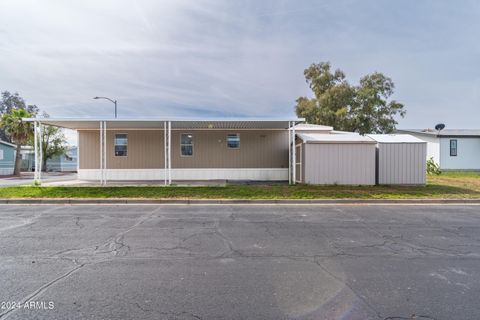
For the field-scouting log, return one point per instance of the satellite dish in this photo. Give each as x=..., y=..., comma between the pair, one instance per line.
x=439, y=127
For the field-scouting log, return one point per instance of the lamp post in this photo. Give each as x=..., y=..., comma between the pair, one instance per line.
x=113, y=101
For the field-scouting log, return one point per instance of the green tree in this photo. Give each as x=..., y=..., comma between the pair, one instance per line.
x=364, y=108
x=20, y=132
x=54, y=142
x=9, y=101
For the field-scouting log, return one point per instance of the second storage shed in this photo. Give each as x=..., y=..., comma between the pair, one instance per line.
x=346, y=159
x=400, y=159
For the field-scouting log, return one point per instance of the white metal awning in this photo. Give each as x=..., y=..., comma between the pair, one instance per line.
x=85, y=124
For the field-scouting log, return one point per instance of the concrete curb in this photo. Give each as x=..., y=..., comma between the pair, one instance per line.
x=235, y=201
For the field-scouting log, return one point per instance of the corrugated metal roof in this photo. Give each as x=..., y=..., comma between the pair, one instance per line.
x=79, y=124
x=444, y=132
x=334, y=138
x=312, y=127
x=395, y=138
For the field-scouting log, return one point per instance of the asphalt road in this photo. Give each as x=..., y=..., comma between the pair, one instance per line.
x=240, y=262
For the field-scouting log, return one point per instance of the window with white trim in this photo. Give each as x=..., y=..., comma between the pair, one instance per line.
x=186, y=145
x=453, y=148
x=233, y=140
x=1, y=155
x=121, y=144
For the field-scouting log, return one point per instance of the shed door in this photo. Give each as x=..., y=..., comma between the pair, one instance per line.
x=298, y=163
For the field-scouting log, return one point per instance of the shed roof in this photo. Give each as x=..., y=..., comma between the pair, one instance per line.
x=152, y=123
x=334, y=138
x=395, y=138
x=8, y=144
x=312, y=127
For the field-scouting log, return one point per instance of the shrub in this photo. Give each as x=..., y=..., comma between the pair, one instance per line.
x=432, y=167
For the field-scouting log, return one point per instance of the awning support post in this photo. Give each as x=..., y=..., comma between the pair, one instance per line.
x=40, y=160
x=289, y=154
x=165, y=153
x=35, y=145
x=294, y=156
x=101, y=152
x=169, y=152
x=105, y=153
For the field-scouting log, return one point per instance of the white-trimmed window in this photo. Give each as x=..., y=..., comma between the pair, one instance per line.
x=121, y=144
x=453, y=148
x=186, y=145
x=233, y=141
x=1, y=155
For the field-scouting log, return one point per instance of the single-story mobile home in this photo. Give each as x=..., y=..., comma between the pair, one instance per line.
x=452, y=149
x=64, y=163
x=133, y=149
x=7, y=158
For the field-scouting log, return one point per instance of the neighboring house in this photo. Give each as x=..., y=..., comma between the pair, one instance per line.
x=28, y=158
x=452, y=149
x=7, y=158
x=64, y=163
x=230, y=149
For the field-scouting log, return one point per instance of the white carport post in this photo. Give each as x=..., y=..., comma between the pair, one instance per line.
x=165, y=152
x=40, y=160
x=101, y=152
x=105, y=152
x=35, y=145
x=289, y=155
x=294, y=156
x=169, y=152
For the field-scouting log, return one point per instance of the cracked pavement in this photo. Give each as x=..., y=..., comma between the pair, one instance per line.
x=241, y=261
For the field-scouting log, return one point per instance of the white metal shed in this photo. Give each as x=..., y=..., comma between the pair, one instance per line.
x=400, y=159
x=345, y=159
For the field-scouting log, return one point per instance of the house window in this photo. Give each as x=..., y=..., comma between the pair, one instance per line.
x=121, y=142
x=1, y=154
x=453, y=148
x=186, y=144
x=233, y=140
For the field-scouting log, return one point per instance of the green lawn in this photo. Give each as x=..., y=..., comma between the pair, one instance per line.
x=452, y=185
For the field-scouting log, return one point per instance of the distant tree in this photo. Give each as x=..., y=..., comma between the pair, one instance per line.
x=54, y=142
x=10, y=101
x=19, y=131
x=364, y=108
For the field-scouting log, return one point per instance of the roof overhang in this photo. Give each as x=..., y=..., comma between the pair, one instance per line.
x=144, y=124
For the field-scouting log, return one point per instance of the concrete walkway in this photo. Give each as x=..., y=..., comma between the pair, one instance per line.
x=27, y=178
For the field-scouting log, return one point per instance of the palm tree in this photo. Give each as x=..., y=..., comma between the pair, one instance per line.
x=20, y=132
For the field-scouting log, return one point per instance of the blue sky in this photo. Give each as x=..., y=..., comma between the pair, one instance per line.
x=205, y=58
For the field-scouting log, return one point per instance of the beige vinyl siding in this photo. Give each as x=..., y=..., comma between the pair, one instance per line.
x=258, y=149
x=402, y=163
x=144, y=150
x=339, y=163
